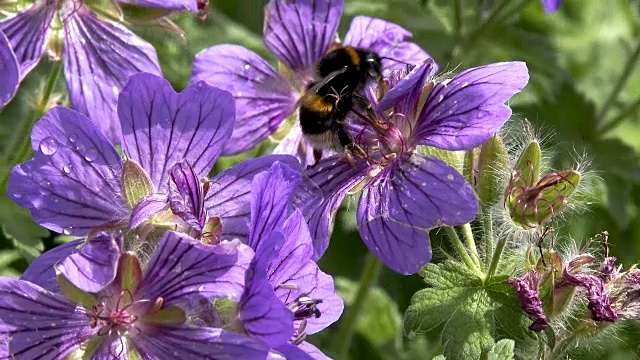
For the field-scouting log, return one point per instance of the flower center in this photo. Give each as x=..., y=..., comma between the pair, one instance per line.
x=114, y=314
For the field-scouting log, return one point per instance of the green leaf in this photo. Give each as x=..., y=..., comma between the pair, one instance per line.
x=502, y=350
x=469, y=314
x=380, y=321
x=17, y=227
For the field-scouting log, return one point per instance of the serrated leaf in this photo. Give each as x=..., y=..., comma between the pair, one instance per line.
x=380, y=321
x=469, y=314
x=502, y=350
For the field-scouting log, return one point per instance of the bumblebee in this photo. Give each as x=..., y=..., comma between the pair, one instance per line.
x=342, y=75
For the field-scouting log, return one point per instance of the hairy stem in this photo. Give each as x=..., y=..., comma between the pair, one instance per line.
x=487, y=232
x=348, y=325
x=495, y=258
x=457, y=244
x=467, y=234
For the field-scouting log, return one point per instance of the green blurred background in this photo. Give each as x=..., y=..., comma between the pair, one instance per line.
x=583, y=98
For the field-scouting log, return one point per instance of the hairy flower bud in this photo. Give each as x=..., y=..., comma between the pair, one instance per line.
x=531, y=200
x=492, y=161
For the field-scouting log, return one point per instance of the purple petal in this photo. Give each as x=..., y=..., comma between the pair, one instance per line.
x=272, y=192
x=406, y=93
x=293, y=352
x=9, y=71
x=467, y=110
x=294, y=266
x=295, y=144
x=42, y=270
x=263, y=315
x=173, y=5
x=147, y=208
x=94, y=265
x=186, y=198
x=335, y=177
x=73, y=183
x=301, y=32
x=170, y=342
x=229, y=196
x=412, y=196
x=551, y=5
x=28, y=33
x=599, y=302
x=386, y=39
x=313, y=351
x=99, y=57
x=263, y=97
x=181, y=267
x=38, y=321
x=160, y=127
x=527, y=289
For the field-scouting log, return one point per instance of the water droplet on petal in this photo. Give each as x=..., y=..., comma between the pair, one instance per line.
x=450, y=177
x=247, y=66
x=48, y=146
x=44, y=187
x=67, y=230
x=67, y=168
x=17, y=195
x=91, y=154
x=73, y=138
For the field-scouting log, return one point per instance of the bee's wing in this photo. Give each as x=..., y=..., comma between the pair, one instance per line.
x=318, y=85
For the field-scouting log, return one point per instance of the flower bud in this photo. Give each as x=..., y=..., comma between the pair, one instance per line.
x=492, y=161
x=530, y=205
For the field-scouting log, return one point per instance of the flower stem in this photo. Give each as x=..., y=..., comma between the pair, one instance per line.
x=497, y=253
x=457, y=244
x=622, y=80
x=348, y=325
x=467, y=234
x=21, y=142
x=487, y=230
x=630, y=109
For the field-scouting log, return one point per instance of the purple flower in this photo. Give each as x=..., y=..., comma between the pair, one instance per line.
x=550, y=6
x=99, y=55
x=78, y=184
x=527, y=289
x=111, y=306
x=299, y=33
x=9, y=72
x=599, y=302
x=287, y=296
x=405, y=192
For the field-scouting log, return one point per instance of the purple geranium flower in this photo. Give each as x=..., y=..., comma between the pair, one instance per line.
x=529, y=296
x=77, y=182
x=299, y=33
x=9, y=72
x=286, y=296
x=551, y=5
x=112, y=307
x=405, y=192
x=99, y=55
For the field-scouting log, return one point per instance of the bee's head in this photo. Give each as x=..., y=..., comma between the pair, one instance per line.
x=372, y=65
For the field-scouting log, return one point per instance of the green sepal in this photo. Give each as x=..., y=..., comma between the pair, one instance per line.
x=135, y=183
x=554, y=301
x=528, y=165
x=168, y=315
x=228, y=312
x=129, y=273
x=74, y=294
x=469, y=166
x=453, y=158
x=493, y=161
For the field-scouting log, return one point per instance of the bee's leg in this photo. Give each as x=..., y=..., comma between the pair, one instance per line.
x=349, y=146
x=363, y=103
x=317, y=155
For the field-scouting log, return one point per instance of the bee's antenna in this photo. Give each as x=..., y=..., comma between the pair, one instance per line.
x=396, y=60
